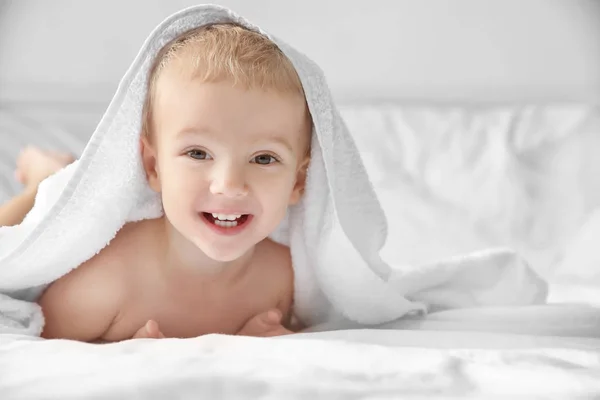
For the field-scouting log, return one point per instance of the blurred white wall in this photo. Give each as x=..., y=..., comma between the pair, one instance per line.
x=443, y=50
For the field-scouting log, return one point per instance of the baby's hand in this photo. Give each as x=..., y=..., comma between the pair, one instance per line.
x=266, y=324
x=149, y=331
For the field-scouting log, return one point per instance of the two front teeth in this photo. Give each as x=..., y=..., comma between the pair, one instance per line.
x=225, y=217
x=225, y=220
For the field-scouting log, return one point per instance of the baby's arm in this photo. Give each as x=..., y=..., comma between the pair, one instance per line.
x=81, y=305
x=276, y=321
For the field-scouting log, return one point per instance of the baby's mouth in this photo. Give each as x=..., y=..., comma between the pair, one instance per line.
x=226, y=221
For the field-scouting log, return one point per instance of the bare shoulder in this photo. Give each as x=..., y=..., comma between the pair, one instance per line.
x=109, y=263
x=82, y=304
x=104, y=266
x=276, y=259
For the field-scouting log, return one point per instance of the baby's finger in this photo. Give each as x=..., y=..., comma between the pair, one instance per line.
x=278, y=331
x=261, y=323
x=153, y=330
x=274, y=316
x=141, y=333
x=148, y=331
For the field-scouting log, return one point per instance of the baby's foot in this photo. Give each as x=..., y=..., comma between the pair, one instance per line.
x=266, y=324
x=34, y=165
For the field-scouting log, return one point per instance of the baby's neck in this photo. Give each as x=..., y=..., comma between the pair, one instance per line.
x=182, y=257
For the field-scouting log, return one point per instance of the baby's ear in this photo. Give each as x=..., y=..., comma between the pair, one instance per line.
x=300, y=185
x=148, y=152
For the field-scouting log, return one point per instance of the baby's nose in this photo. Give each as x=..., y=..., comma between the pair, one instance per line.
x=229, y=181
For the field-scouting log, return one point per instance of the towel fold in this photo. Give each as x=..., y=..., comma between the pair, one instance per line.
x=335, y=233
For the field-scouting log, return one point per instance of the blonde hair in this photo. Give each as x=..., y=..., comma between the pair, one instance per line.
x=224, y=52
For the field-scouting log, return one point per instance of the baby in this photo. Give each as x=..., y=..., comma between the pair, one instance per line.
x=225, y=141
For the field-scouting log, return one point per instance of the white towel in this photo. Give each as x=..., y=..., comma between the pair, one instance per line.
x=335, y=233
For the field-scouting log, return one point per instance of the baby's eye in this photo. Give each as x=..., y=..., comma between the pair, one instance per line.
x=198, y=155
x=265, y=159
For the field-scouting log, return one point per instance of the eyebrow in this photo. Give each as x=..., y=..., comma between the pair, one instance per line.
x=281, y=141
x=193, y=132
x=207, y=133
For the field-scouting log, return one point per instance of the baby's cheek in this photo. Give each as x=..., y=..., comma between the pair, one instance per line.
x=176, y=198
x=278, y=209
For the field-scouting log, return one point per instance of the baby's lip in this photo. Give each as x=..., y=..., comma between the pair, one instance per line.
x=227, y=212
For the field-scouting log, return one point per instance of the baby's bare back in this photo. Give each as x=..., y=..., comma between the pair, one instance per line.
x=126, y=285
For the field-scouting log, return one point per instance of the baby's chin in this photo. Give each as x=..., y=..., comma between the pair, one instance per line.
x=222, y=252
x=224, y=256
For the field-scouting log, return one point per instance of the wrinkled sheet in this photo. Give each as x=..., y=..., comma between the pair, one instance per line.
x=348, y=364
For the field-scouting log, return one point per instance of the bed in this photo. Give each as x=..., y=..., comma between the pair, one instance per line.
x=451, y=179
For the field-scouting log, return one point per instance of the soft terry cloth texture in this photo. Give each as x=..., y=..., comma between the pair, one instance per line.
x=335, y=233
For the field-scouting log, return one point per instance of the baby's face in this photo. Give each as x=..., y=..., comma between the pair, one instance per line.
x=228, y=161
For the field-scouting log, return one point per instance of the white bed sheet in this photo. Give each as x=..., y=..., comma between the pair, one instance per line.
x=345, y=364
x=462, y=353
